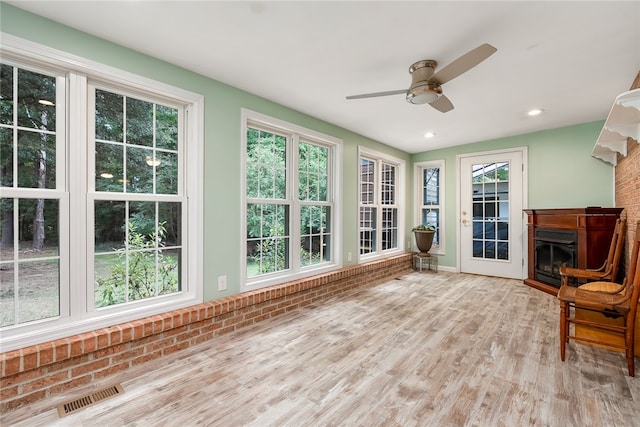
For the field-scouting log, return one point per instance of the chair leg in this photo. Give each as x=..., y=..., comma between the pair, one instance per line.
x=630, y=349
x=563, y=329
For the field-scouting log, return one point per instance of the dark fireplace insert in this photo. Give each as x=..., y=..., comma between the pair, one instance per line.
x=554, y=249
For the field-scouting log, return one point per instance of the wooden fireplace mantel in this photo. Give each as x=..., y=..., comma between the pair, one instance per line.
x=594, y=229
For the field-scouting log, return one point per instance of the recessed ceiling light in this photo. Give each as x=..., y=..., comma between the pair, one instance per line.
x=429, y=135
x=535, y=112
x=46, y=102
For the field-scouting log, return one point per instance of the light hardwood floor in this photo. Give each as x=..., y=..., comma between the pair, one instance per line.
x=422, y=350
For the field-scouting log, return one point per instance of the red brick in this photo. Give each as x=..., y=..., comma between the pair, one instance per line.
x=22, y=377
x=44, y=382
x=127, y=332
x=89, y=367
x=11, y=363
x=76, y=345
x=45, y=353
x=174, y=348
x=112, y=369
x=8, y=392
x=102, y=338
x=147, y=357
x=128, y=355
x=115, y=335
x=61, y=347
x=29, y=358
x=90, y=342
x=67, y=385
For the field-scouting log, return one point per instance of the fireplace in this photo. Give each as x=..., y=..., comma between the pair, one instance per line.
x=575, y=237
x=554, y=249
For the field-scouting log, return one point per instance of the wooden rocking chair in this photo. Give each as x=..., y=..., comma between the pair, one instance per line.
x=609, y=270
x=609, y=299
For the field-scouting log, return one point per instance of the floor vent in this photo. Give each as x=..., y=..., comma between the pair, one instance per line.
x=88, y=400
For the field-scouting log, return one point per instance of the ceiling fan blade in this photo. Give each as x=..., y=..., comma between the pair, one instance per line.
x=373, y=95
x=463, y=64
x=442, y=104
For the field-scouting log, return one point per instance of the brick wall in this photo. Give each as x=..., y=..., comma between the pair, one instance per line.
x=628, y=186
x=40, y=371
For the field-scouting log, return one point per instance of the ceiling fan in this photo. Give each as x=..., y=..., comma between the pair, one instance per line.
x=426, y=84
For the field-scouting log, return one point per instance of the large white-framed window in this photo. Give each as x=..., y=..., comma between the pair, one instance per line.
x=291, y=201
x=429, y=199
x=380, y=203
x=100, y=215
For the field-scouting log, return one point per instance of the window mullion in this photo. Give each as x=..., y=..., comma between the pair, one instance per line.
x=294, y=197
x=77, y=188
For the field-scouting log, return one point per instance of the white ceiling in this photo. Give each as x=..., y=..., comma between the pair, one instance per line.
x=569, y=58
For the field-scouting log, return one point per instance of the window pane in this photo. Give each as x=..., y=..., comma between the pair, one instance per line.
x=140, y=267
x=166, y=127
x=36, y=101
x=139, y=122
x=6, y=157
x=6, y=94
x=139, y=173
x=109, y=167
x=368, y=236
x=267, y=238
x=431, y=186
x=109, y=116
x=388, y=184
x=36, y=160
x=312, y=172
x=367, y=181
x=166, y=167
x=314, y=234
x=169, y=217
x=389, y=228
x=30, y=273
x=110, y=226
x=266, y=165
x=432, y=217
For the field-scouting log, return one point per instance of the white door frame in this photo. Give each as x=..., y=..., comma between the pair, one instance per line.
x=522, y=238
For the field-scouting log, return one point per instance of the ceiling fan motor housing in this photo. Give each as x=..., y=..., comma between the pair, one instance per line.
x=422, y=91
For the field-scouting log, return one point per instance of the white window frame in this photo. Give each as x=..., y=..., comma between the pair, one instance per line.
x=77, y=314
x=419, y=167
x=400, y=190
x=294, y=134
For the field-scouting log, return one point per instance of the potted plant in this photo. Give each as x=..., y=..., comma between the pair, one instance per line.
x=424, y=236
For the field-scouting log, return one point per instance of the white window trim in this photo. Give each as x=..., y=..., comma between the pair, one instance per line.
x=400, y=200
x=417, y=217
x=335, y=188
x=74, y=318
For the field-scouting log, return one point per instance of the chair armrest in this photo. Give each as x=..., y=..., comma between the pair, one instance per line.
x=579, y=273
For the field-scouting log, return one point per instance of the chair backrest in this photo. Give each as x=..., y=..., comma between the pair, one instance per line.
x=634, y=273
x=616, y=248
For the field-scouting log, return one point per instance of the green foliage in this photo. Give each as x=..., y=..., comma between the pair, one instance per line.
x=271, y=252
x=139, y=280
x=423, y=227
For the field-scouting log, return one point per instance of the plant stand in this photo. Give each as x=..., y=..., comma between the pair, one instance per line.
x=424, y=261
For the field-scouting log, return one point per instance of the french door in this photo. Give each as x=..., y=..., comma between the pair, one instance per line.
x=492, y=195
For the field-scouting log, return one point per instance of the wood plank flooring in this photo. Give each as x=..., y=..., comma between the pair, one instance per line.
x=422, y=350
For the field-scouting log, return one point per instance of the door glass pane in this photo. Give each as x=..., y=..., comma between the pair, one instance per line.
x=490, y=204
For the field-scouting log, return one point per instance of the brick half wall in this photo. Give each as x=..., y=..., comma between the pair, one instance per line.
x=40, y=371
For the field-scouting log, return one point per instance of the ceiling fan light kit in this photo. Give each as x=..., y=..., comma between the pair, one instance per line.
x=426, y=83
x=424, y=94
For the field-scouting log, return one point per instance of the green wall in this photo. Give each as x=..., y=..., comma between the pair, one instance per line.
x=561, y=172
x=222, y=140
